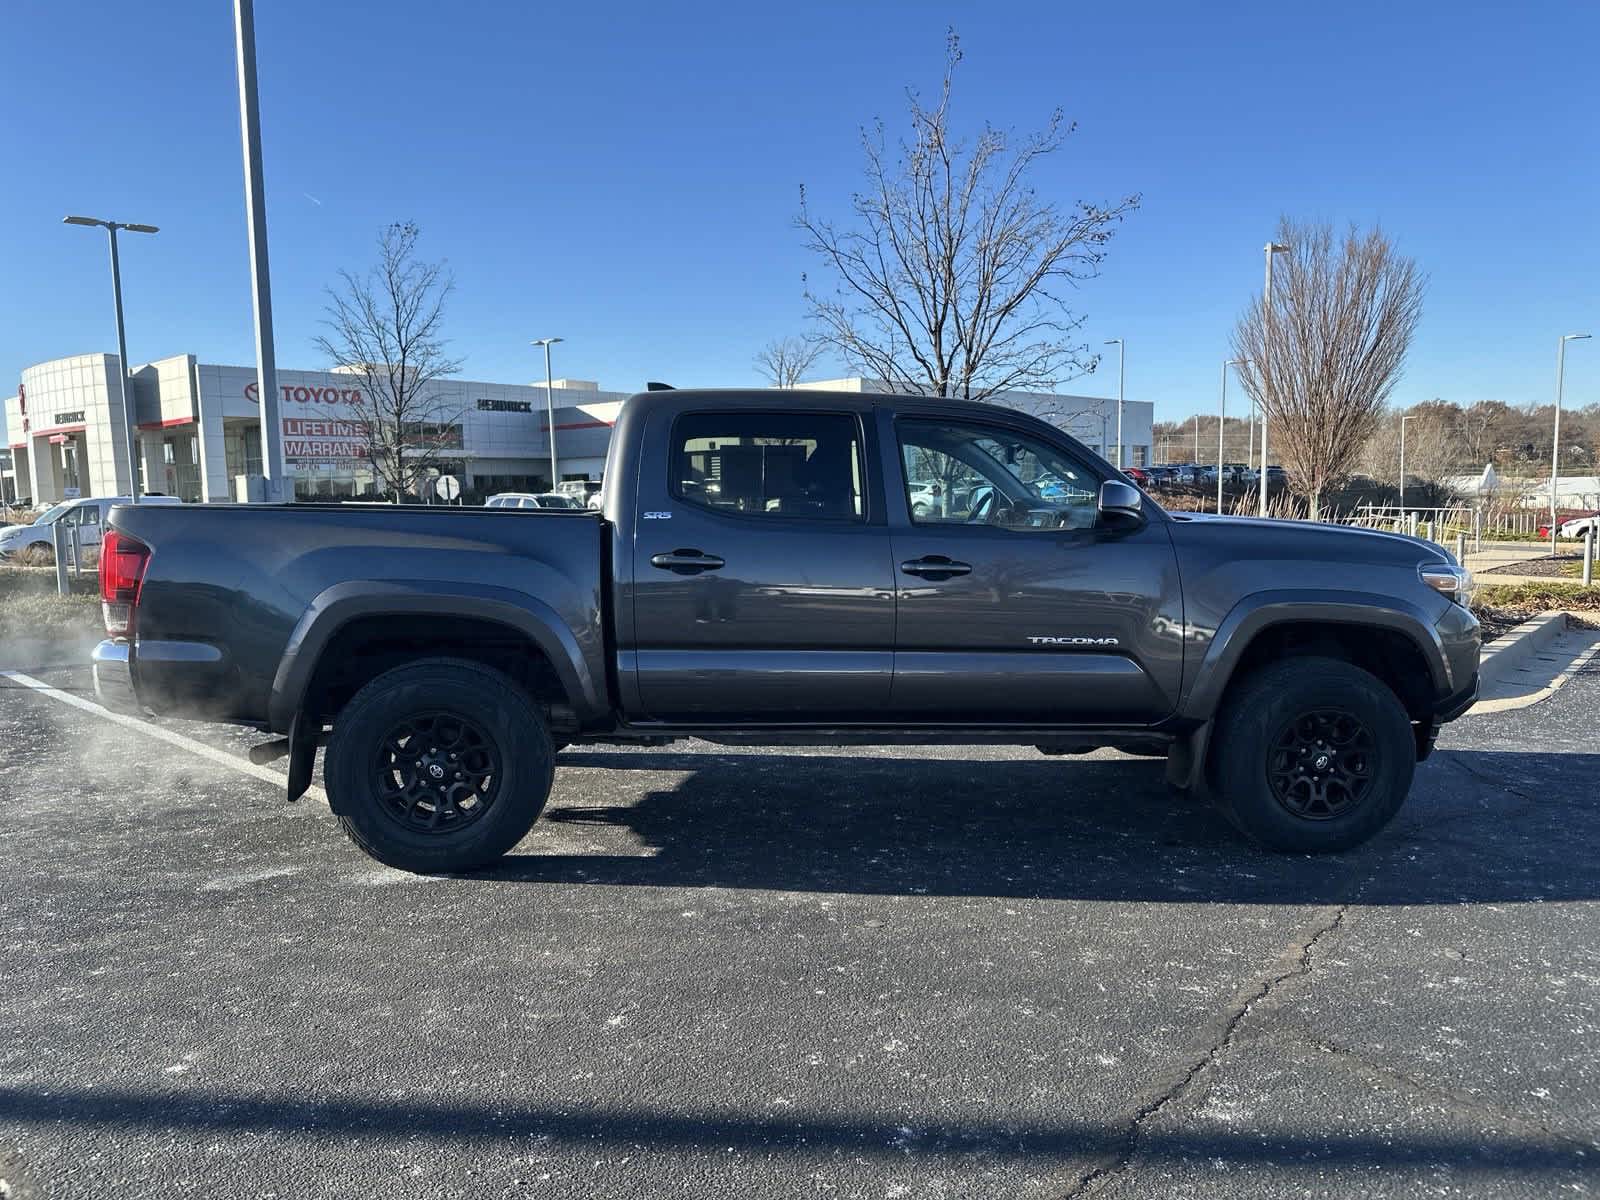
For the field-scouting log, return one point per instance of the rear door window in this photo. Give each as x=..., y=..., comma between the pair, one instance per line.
x=805, y=466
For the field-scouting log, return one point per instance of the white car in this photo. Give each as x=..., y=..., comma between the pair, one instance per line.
x=533, y=500
x=1578, y=526
x=36, y=543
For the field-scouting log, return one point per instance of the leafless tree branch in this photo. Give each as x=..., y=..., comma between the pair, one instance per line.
x=783, y=362
x=384, y=329
x=1324, y=358
x=950, y=279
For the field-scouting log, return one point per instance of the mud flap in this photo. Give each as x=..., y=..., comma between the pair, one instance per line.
x=303, y=736
x=1186, y=761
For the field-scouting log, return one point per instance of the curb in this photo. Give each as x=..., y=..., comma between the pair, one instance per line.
x=1509, y=651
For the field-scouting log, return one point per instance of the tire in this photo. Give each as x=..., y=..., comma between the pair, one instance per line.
x=37, y=554
x=1271, y=780
x=482, y=773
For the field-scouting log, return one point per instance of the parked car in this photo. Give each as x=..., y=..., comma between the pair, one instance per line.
x=1576, y=527
x=1139, y=475
x=1160, y=477
x=35, y=543
x=924, y=495
x=444, y=660
x=533, y=500
x=578, y=489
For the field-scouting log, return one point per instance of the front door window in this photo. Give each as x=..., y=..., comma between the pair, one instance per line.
x=959, y=474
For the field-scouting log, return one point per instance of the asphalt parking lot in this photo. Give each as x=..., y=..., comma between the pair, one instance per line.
x=719, y=973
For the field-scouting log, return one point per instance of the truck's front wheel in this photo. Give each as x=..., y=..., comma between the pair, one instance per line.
x=1312, y=755
x=440, y=765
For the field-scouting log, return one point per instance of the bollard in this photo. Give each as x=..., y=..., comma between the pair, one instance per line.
x=58, y=533
x=1461, y=546
x=1411, y=523
x=1588, y=556
x=1477, y=531
x=75, y=534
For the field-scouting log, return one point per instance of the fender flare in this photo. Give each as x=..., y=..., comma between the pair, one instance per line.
x=334, y=608
x=1260, y=611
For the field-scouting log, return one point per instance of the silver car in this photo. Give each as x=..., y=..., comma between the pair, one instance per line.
x=35, y=543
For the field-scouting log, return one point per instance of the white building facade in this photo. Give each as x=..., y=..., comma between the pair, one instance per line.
x=1090, y=419
x=198, y=430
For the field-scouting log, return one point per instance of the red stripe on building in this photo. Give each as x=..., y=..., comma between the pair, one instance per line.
x=176, y=421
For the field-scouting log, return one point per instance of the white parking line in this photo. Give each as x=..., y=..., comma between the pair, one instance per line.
x=221, y=757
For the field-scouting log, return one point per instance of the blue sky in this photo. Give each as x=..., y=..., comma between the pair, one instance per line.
x=625, y=175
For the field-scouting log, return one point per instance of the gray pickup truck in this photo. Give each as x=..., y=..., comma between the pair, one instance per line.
x=761, y=573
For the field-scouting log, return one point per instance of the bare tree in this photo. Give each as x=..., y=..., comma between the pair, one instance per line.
x=1324, y=357
x=384, y=330
x=950, y=279
x=1434, y=447
x=783, y=362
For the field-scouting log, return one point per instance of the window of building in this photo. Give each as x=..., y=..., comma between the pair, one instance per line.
x=795, y=465
x=960, y=474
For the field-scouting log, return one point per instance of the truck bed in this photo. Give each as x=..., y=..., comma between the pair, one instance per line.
x=234, y=595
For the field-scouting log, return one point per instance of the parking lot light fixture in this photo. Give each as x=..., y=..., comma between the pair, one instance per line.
x=549, y=409
x=132, y=428
x=1403, y=419
x=1222, y=422
x=1270, y=248
x=1121, y=363
x=1555, y=441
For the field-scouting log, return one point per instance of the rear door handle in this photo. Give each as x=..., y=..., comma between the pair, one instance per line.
x=687, y=562
x=935, y=566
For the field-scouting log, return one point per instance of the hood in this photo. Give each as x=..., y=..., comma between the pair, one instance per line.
x=1315, y=538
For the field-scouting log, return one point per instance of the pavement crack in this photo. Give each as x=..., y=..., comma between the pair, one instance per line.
x=1456, y=1101
x=1213, y=1056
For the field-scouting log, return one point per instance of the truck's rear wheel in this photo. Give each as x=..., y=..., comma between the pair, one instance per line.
x=1313, y=755
x=441, y=765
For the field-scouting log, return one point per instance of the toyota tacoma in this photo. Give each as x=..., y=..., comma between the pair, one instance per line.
x=775, y=567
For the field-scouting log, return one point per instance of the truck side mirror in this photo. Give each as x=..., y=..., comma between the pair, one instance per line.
x=1120, y=503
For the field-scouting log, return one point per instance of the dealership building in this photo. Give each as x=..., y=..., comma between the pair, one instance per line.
x=199, y=431
x=198, y=428
x=1090, y=419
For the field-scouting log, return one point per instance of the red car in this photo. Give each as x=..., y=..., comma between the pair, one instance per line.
x=1138, y=475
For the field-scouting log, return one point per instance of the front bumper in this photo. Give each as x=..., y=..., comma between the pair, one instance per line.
x=113, y=677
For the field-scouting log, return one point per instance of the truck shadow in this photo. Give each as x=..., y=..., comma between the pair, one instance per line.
x=1480, y=826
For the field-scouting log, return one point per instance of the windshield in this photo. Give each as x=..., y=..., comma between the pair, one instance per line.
x=52, y=514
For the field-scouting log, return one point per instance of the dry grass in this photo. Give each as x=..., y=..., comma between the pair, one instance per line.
x=37, y=625
x=1500, y=607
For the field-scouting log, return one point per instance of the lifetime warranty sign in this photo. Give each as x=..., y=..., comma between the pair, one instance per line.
x=315, y=439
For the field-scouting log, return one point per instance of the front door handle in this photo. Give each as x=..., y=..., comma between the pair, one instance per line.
x=935, y=567
x=687, y=562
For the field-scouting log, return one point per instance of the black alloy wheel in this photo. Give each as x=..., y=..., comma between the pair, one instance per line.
x=1321, y=763
x=437, y=772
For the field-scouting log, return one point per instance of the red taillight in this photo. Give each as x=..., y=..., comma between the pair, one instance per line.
x=123, y=560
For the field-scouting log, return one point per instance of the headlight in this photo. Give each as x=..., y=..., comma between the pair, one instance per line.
x=1448, y=580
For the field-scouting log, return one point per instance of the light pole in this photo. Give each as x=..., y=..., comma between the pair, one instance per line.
x=549, y=408
x=1222, y=422
x=1403, y=419
x=1121, y=363
x=1555, y=441
x=255, y=203
x=1250, y=453
x=132, y=431
x=1270, y=249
